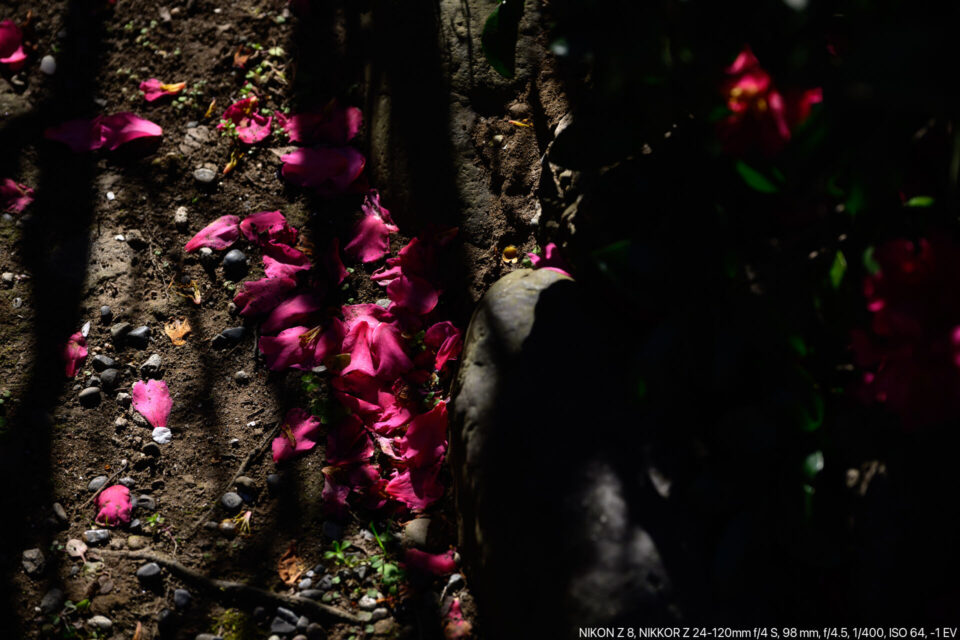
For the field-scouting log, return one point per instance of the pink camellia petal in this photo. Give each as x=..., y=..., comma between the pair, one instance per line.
x=219, y=234
x=257, y=297
x=115, y=506
x=11, y=45
x=393, y=416
x=328, y=170
x=416, y=488
x=392, y=360
x=152, y=400
x=455, y=627
x=358, y=392
x=292, y=311
x=438, y=564
x=268, y=226
x=324, y=343
x=334, y=495
x=74, y=353
x=357, y=344
x=284, y=351
x=385, y=275
x=280, y=260
x=250, y=125
x=413, y=293
x=80, y=135
x=369, y=313
x=426, y=439
x=331, y=260
x=296, y=435
x=333, y=125
x=551, y=259
x=371, y=234
x=121, y=128
x=153, y=89
x=349, y=442
x=445, y=340
x=364, y=479
x=14, y=197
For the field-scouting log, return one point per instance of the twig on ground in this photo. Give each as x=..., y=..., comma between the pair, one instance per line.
x=251, y=457
x=235, y=592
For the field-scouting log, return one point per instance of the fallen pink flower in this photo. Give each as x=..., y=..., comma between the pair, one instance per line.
x=267, y=226
x=391, y=358
x=258, y=297
x=365, y=480
x=358, y=392
x=153, y=89
x=292, y=311
x=14, y=197
x=454, y=626
x=328, y=170
x=284, y=351
x=219, y=234
x=115, y=506
x=296, y=434
x=280, y=260
x=426, y=439
x=333, y=125
x=349, y=442
x=74, y=353
x=334, y=495
x=11, y=45
x=413, y=293
x=357, y=344
x=152, y=400
x=251, y=125
x=103, y=132
x=371, y=234
x=551, y=259
x=445, y=340
x=393, y=415
x=438, y=564
x=416, y=488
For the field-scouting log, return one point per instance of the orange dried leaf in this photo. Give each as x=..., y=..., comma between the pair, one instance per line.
x=241, y=56
x=213, y=103
x=138, y=634
x=176, y=329
x=290, y=567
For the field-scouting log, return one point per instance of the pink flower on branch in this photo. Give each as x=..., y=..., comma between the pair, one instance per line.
x=152, y=400
x=219, y=234
x=296, y=435
x=153, y=89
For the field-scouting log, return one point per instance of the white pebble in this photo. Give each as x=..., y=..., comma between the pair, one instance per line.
x=48, y=65
x=118, y=238
x=162, y=435
x=110, y=195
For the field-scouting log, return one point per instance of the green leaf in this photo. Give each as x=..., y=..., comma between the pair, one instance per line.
x=837, y=270
x=754, y=179
x=499, y=37
x=920, y=201
x=813, y=464
x=869, y=260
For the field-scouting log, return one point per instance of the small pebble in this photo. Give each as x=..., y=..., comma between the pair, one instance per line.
x=151, y=449
x=302, y=623
x=151, y=368
x=287, y=614
x=128, y=482
x=33, y=561
x=139, y=338
x=204, y=175
x=7, y=277
x=274, y=482
x=52, y=601
x=59, y=512
x=415, y=532
x=95, y=537
x=455, y=583
x=162, y=435
x=231, y=502
x=102, y=363
x=325, y=583
x=148, y=572
x=281, y=626
x=367, y=603
x=124, y=399
x=305, y=584
x=96, y=483
x=48, y=65
x=94, y=381
x=235, y=265
x=182, y=599
x=146, y=503
x=207, y=636
x=136, y=542
x=111, y=196
x=90, y=397
x=181, y=218
x=379, y=614
x=228, y=528
x=103, y=623
x=120, y=330
x=106, y=314
x=109, y=379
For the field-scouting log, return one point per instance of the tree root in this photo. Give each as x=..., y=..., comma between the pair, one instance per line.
x=235, y=592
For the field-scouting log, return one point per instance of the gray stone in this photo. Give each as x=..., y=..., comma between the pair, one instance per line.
x=241, y=377
x=138, y=338
x=207, y=636
x=235, y=265
x=59, y=512
x=181, y=218
x=315, y=631
x=274, y=483
x=281, y=626
x=204, y=175
x=305, y=584
x=145, y=503
x=288, y=615
x=90, y=397
x=106, y=314
x=124, y=399
x=302, y=623
x=93, y=381
x=455, y=583
x=181, y=599
x=119, y=331
x=101, y=623
x=52, y=601
x=365, y=616
x=367, y=603
x=7, y=277
x=101, y=362
x=149, y=573
x=152, y=449
x=33, y=561
x=96, y=483
x=128, y=482
x=312, y=594
x=231, y=502
x=136, y=542
x=415, y=532
x=325, y=583
x=96, y=537
x=228, y=337
x=140, y=421
x=109, y=379
x=135, y=526
x=228, y=528
x=152, y=367
x=379, y=614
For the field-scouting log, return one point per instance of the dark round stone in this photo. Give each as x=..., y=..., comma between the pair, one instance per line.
x=231, y=502
x=90, y=397
x=106, y=314
x=181, y=599
x=109, y=379
x=149, y=572
x=102, y=362
x=139, y=338
x=235, y=265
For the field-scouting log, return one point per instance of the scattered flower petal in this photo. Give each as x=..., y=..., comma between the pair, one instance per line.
x=251, y=126
x=371, y=234
x=349, y=442
x=153, y=89
x=219, y=234
x=115, y=506
x=14, y=197
x=292, y=311
x=296, y=435
x=106, y=132
x=152, y=400
x=333, y=125
x=268, y=226
x=11, y=45
x=426, y=439
x=454, y=626
x=445, y=340
x=438, y=564
x=416, y=488
x=551, y=259
x=328, y=170
x=413, y=293
x=74, y=353
x=257, y=297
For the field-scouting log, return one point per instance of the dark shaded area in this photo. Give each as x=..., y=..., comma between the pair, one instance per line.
x=55, y=246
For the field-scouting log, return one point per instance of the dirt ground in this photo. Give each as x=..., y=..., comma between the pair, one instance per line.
x=102, y=233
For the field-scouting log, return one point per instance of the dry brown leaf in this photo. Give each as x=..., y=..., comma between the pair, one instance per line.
x=241, y=56
x=138, y=634
x=290, y=567
x=176, y=329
